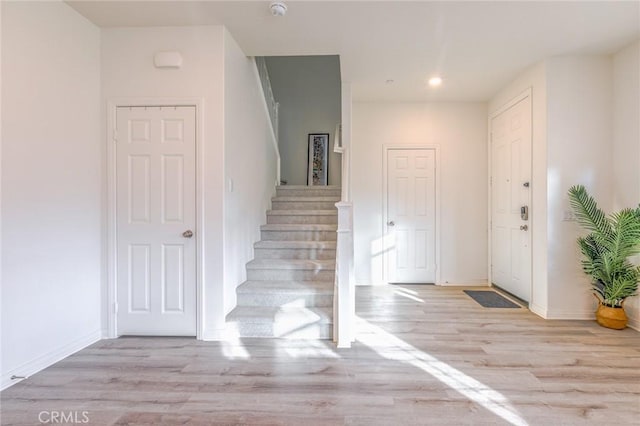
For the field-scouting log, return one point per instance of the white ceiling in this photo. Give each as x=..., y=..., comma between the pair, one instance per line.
x=477, y=47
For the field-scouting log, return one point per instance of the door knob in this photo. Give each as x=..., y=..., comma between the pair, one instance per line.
x=391, y=223
x=188, y=233
x=524, y=227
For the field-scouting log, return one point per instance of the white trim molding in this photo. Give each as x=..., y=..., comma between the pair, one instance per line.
x=538, y=310
x=111, y=243
x=39, y=363
x=472, y=283
x=436, y=148
x=525, y=94
x=581, y=314
x=344, y=299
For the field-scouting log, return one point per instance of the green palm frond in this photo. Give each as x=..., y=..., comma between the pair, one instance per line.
x=626, y=224
x=608, y=247
x=587, y=212
x=621, y=288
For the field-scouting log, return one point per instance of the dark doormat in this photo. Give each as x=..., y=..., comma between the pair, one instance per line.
x=490, y=299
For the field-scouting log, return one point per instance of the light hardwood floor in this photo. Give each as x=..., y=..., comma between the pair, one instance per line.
x=424, y=355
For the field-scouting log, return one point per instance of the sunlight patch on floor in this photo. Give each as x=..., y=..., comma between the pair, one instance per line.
x=311, y=349
x=390, y=347
x=232, y=347
x=407, y=293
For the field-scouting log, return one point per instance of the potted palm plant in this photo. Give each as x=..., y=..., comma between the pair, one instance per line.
x=607, y=249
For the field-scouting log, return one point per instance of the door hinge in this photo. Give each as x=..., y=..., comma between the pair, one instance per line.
x=115, y=308
x=115, y=135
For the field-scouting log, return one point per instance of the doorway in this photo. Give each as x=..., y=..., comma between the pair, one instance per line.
x=410, y=214
x=510, y=182
x=155, y=194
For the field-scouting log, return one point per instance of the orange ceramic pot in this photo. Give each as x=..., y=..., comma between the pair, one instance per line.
x=610, y=317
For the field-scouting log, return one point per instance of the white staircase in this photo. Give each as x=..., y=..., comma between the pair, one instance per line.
x=289, y=287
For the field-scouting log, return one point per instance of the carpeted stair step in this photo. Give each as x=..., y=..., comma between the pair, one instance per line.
x=290, y=269
x=286, y=293
x=298, y=232
x=281, y=322
x=304, y=203
x=303, y=216
x=322, y=250
x=308, y=191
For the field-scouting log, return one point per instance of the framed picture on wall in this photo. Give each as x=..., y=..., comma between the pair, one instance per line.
x=318, y=159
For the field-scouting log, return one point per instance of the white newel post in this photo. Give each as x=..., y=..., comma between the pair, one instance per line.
x=344, y=293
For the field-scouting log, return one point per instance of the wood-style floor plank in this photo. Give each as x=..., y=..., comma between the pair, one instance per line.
x=424, y=355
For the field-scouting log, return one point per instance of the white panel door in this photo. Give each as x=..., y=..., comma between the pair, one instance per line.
x=410, y=215
x=510, y=193
x=156, y=218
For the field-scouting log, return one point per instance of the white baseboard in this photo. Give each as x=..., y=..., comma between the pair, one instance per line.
x=369, y=284
x=538, y=310
x=215, y=334
x=37, y=364
x=583, y=315
x=634, y=323
x=571, y=315
x=473, y=283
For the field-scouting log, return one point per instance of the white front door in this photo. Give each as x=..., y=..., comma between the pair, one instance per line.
x=410, y=216
x=156, y=244
x=511, y=199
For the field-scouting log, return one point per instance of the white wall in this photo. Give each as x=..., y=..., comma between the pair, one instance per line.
x=572, y=128
x=128, y=71
x=461, y=131
x=51, y=185
x=250, y=162
x=626, y=141
x=535, y=79
x=308, y=90
x=579, y=151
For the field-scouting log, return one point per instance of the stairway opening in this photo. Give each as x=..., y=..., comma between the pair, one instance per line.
x=308, y=92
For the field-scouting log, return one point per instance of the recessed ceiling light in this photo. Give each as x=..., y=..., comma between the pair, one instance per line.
x=435, y=81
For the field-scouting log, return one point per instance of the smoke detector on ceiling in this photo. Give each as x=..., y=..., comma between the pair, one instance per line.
x=278, y=8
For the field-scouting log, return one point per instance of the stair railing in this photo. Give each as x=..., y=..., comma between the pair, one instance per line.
x=271, y=104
